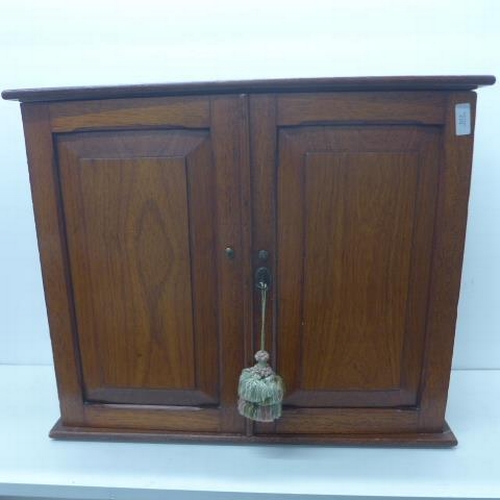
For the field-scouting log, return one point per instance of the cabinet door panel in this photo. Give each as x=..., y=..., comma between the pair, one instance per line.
x=141, y=242
x=354, y=241
x=355, y=268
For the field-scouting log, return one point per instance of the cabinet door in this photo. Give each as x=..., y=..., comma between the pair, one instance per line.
x=351, y=183
x=149, y=198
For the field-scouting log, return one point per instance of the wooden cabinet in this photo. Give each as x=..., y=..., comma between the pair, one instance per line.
x=153, y=204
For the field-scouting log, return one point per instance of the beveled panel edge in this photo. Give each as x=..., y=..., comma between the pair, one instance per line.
x=444, y=439
x=453, y=82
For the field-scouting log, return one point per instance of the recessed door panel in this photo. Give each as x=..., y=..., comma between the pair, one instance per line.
x=354, y=241
x=138, y=209
x=358, y=221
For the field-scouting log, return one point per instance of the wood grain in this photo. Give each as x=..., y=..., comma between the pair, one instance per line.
x=127, y=232
x=446, y=264
x=446, y=438
x=127, y=221
x=154, y=417
x=358, y=221
x=130, y=113
x=395, y=107
x=347, y=420
x=53, y=256
x=230, y=133
x=351, y=303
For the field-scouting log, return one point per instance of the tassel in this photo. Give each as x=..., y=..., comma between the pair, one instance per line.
x=260, y=390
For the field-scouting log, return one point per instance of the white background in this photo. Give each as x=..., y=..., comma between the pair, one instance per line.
x=58, y=43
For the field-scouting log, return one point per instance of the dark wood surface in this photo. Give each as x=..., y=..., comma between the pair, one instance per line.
x=398, y=164
x=411, y=107
x=254, y=86
x=360, y=200
x=182, y=112
x=132, y=239
x=449, y=238
x=349, y=229
x=49, y=220
x=443, y=439
x=234, y=282
x=141, y=238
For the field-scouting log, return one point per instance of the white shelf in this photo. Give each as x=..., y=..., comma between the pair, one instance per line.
x=33, y=465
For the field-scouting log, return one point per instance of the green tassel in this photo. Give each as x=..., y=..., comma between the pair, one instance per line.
x=260, y=391
x=259, y=413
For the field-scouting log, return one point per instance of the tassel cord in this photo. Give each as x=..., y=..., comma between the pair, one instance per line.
x=263, y=299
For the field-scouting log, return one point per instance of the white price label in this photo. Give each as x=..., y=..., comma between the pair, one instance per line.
x=462, y=119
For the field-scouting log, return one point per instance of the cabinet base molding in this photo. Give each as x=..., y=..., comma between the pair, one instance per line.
x=444, y=439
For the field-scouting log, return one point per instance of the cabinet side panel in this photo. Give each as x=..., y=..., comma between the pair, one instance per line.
x=451, y=220
x=52, y=247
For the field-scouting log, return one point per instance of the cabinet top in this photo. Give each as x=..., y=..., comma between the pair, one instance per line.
x=340, y=84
